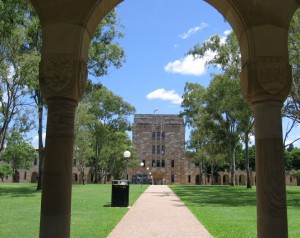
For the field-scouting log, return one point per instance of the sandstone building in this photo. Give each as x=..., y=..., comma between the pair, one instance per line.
x=159, y=142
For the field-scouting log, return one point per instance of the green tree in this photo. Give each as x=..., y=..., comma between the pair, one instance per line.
x=292, y=106
x=18, y=153
x=83, y=146
x=292, y=159
x=19, y=16
x=5, y=170
x=109, y=122
x=13, y=69
x=231, y=117
x=112, y=162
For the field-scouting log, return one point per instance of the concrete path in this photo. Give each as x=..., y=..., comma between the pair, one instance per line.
x=159, y=213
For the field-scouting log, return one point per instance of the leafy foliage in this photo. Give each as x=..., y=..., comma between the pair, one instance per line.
x=292, y=106
x=218, y=114
x=5, y=170
x=101, y=124
x=18, y=153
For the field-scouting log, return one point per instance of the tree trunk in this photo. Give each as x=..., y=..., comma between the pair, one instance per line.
x=200, y=173
x=83, y=178
x=96, y=171
x=212, y=175
x=96, y=162
x=41, y=144
x=232, y=168
x=248, y=183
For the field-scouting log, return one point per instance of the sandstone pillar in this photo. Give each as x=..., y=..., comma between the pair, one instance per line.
x=62, y=80
x=270, y=170
x=261, y=27
x=67, y=28
x=57, y=176
x=266, y=83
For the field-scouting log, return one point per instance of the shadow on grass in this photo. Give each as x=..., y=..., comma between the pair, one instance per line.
x=18, y=191
x=224, y=196
x=293, y=199
x=227, y=196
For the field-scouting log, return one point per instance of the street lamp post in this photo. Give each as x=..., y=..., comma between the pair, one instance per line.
x=142, y=165
x=126, y=156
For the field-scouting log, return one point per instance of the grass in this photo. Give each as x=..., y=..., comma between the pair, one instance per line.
x=227, y=212
x=92, y=215
x=230, y=212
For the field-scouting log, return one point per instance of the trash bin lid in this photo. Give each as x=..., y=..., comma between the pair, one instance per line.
x=120, y=182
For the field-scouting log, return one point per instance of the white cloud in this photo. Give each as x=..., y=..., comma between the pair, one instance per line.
x=35, y=140
x=162, y=94
x=192, y=31
x=227, y=32
x=224, y=37
x=189, y=65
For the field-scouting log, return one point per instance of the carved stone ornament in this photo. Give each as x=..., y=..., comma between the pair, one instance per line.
x=265, y=79
x=272, y=76
x=62, y=77
x=61, y=114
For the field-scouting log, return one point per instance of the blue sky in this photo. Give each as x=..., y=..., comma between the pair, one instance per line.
x=158, y=34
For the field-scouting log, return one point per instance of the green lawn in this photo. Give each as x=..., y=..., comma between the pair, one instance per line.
x=225, y=211
x=230, y=212
x=92, y=215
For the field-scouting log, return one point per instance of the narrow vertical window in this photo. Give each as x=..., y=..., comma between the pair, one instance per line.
x=153, y=149
x=163, y=163
x=172, y=163
x=158, y=150
x=158, y=135
x=172, y=178
x=153, y=163
x=157, y=163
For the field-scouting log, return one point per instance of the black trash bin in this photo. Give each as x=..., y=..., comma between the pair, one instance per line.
x=120, y=193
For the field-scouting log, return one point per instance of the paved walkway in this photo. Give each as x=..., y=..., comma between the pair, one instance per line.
x=159, y=213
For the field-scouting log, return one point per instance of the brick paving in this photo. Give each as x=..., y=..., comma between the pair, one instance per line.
x=159, y=213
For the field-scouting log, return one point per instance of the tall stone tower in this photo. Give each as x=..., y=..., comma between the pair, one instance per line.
x=159, y=142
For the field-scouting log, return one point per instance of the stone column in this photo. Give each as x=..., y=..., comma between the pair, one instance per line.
x=67, y=28
x=270, y=170
x=265, y=83
x=62, y=81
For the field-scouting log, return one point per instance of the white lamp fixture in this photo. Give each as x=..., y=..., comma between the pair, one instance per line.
x=127, y=154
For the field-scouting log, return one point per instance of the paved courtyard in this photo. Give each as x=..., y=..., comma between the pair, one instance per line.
x=159, y=213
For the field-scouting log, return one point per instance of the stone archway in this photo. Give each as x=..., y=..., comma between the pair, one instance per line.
x=265, y=81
